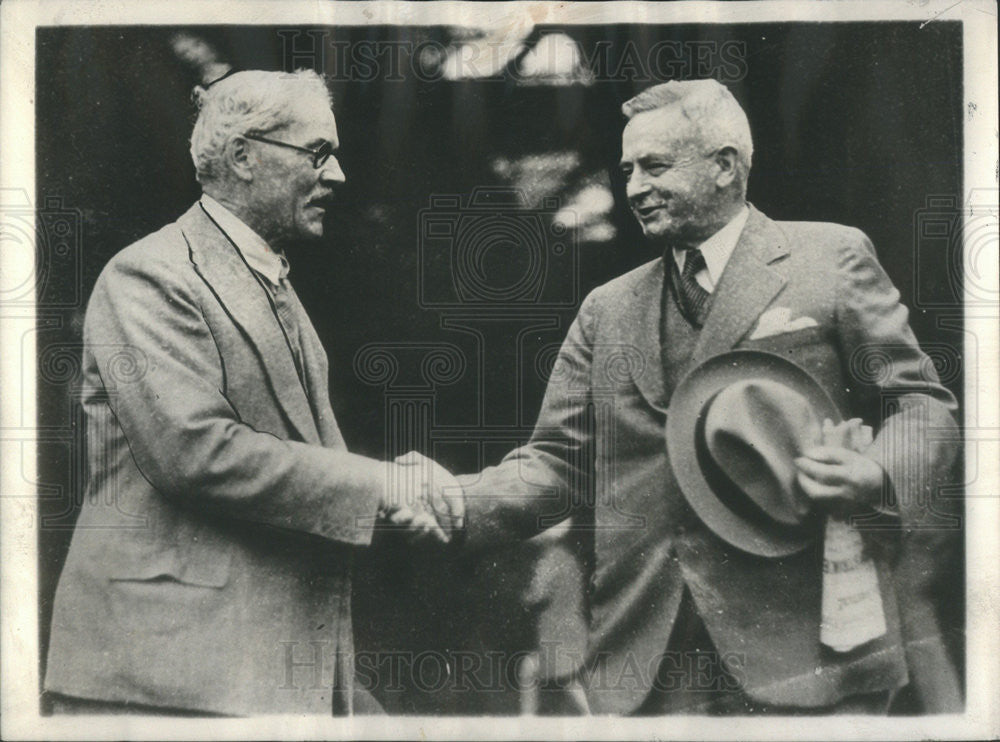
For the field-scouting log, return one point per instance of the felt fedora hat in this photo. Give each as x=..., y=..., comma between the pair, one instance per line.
x=735, y=425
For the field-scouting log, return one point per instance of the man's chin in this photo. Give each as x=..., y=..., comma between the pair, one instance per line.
x=658, y=233
x=312, y=230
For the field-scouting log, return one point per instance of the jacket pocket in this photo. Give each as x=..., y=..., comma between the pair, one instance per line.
x=785, y=340
x=812, y=348
x=201, y=567
x=163, y=602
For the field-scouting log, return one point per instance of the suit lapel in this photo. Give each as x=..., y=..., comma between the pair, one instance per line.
x=222, y=267
x=641, y=328
x=746, y=287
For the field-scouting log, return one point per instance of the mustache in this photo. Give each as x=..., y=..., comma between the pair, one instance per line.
x=324, y=199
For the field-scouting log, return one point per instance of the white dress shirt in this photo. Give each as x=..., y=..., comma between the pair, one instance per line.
x=716, y=251
x=259, y=256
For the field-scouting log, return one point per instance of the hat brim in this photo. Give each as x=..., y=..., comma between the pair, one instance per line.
x=687, y=404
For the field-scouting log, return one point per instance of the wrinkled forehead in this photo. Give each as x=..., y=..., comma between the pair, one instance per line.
x=663, y=130
x=312, y=116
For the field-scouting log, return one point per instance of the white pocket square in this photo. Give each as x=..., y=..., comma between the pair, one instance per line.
x=778, y=321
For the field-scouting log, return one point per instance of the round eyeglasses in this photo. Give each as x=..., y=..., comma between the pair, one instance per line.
x=319, y=155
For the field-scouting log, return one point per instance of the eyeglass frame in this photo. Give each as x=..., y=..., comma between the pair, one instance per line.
x=319, y=155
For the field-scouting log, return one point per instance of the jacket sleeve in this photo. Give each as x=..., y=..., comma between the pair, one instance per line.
x=186, y=438
x=539, y=484
x=916, y=441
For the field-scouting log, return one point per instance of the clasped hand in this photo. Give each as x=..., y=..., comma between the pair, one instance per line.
x=836, y=473
x=425, y=499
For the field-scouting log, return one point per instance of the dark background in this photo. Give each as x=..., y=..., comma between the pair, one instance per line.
x=853, y=123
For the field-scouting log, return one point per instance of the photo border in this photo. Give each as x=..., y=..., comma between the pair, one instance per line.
x=19, y=515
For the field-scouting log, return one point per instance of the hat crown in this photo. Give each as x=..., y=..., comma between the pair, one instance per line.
x=753, y=432
x=735, y=426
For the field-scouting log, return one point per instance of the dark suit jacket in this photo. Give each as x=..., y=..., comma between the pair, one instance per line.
x=599, y=446
x=210, y=566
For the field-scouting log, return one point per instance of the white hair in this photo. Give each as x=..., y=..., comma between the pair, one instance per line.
x=710, y=108
x=249, y=102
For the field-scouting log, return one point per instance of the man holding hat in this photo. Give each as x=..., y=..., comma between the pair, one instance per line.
x=751, y=343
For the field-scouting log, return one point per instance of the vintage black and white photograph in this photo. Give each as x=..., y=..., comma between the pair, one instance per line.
x=500, y=370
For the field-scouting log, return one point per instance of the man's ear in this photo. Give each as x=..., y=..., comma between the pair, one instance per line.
x=727, y=160
x=239, y=158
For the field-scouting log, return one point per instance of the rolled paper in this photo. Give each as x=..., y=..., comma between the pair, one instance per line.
x=852, y=612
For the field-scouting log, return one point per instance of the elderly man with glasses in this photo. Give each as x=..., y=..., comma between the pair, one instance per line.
x=209, y=572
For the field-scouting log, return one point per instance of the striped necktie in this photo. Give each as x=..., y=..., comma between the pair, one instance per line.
x=693, y=299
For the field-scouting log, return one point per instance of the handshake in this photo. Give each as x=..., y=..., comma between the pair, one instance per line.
x=423, y=499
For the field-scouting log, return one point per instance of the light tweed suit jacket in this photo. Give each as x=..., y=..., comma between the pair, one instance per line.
x=599, y=448
x=210, y=566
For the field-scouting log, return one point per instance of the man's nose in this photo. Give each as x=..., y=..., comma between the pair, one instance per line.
x=331, y=172
x=636, y=186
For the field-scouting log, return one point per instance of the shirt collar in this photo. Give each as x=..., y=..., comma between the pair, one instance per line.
x=259, y=256
x=717, y=248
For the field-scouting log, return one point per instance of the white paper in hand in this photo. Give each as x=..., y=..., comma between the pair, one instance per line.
x=852, y=611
